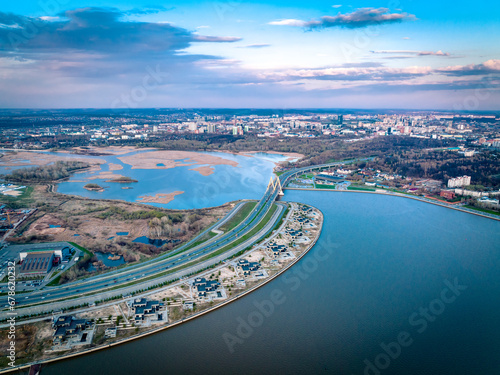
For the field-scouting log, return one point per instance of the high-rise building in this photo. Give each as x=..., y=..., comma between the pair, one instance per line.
x=459, y=181
x=237, y=130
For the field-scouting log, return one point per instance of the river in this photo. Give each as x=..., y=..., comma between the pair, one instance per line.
x=227, y=183
x=419, y=280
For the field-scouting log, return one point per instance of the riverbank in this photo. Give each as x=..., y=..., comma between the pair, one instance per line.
x=258, y=252
x=381, y=192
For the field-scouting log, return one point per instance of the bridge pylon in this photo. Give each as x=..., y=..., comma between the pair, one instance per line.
x=275, y=184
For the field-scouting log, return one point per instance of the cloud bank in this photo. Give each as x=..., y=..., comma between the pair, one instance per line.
x=363, y=17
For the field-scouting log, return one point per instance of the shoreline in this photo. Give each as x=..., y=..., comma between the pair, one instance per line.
x=185, y=320
x=400, y=196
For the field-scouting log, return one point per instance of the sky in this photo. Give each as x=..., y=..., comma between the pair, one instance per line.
x=388, y=54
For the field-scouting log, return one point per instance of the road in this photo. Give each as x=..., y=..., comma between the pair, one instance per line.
x=169, y=262
x=119, y=282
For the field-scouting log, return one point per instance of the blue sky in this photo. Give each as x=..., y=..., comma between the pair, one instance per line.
x=232, y=53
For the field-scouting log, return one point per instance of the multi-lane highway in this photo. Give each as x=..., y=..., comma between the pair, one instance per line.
x=182, y=258
x=169, y=262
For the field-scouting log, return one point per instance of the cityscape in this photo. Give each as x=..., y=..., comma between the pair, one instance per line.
x=226, y=187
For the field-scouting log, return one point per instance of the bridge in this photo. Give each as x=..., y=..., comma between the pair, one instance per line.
x=182, y=262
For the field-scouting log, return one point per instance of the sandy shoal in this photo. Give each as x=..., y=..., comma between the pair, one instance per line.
x=106, y=176
x=113, y=150
x=204, y=171
x=25, y=158
x=172, y=159
x=159, y=198
x=115, y=167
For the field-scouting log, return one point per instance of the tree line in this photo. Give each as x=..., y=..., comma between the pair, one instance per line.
x=46, y=173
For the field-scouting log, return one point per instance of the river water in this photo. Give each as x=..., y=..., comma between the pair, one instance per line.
x=248, y=180
x=419, y=280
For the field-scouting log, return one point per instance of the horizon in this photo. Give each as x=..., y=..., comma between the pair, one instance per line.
x=319, y=109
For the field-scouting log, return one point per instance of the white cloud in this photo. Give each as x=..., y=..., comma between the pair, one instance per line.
x=289, y=22
x=416, y=53
x=362, y=17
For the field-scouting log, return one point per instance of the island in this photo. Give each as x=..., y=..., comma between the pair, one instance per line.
x=122, y=180
x=94, y=187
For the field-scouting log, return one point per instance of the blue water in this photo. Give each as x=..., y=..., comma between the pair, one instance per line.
x=379, y=260
x=246, y=181
x=122, y=233
x=103, y=257
x=149, y=241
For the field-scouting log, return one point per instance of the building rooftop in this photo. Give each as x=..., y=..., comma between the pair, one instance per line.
x=39, y=262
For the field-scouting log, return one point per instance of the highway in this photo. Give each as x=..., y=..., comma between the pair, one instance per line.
x=169, y=262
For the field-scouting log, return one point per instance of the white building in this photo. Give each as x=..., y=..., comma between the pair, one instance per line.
x=459, y=181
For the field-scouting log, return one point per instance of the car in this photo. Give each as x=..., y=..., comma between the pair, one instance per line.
x=43, y=297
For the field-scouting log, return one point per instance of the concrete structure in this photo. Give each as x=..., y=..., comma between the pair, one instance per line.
x=247, y=267
x=447, y=194
x=62, y=253
x=36, y=264
x=459, y=181
x=476, y=194
x=67, y=329
x=204, y=286
x=147, y=310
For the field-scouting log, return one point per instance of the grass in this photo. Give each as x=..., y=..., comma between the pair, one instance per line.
x=359, y=188
x=307, y=176
x=22, y=201
x=259, y=227
x=239, y=216
x=319, y=186
x=250, y=234
x=483, y=210
x=205, y=238
x=211, y=255
x=81, y=248
x=55, y=282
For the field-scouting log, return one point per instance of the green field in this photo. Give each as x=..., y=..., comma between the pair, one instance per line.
x=81, y=248
x=250, y=234
x=319, y=186
x=239, y=216
x=205, y=238
x=483, y=210
x=22, y=201
x=359, y=188
x=306, y=176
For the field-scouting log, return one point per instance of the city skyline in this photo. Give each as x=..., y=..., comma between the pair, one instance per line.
x=230, y=54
